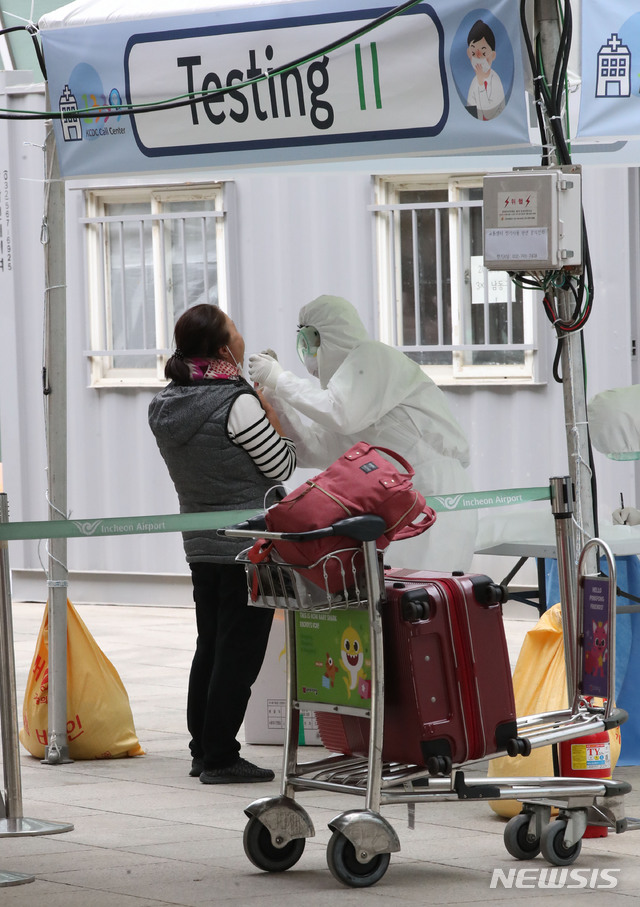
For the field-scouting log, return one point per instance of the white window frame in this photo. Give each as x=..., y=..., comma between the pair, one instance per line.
x=101, y=354
x=386, y=208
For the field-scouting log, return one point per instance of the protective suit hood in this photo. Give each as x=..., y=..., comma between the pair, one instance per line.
x=370, y=391
x=340, y=329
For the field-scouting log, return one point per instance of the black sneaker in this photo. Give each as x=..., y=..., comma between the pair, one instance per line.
x=241, y=772
x=197, y=767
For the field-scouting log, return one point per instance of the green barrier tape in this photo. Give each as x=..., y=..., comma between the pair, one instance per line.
x=189, y=522
x=128, y=525
x=473, y=500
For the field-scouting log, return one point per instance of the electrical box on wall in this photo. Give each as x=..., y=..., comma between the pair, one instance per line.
x=533, y=220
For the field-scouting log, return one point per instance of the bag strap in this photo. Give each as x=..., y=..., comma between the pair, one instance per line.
x=386, y=450
x=414, y=528
x=259, y=552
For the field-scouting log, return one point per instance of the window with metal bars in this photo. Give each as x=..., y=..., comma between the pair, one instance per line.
x=437, y=301
x=152, y=253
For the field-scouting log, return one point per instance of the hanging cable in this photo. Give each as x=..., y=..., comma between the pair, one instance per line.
x=552, y=111
x=196, y=97
x=551, y=107
x=31, y=30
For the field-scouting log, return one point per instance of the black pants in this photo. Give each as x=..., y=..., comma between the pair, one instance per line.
x=232, y=639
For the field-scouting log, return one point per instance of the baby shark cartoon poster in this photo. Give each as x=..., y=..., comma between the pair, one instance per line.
x=334, y=657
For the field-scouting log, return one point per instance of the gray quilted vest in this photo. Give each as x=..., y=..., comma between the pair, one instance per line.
x=208, y=470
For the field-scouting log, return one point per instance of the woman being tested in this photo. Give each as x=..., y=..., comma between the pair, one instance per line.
x=224, y=451
x=369, y=391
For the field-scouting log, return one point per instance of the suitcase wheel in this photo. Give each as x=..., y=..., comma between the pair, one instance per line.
x=518, y=746
x=439, y=765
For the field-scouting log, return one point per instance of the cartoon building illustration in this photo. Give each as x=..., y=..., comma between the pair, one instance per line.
x=486, y=98
x=614, y=70
x=71, y=127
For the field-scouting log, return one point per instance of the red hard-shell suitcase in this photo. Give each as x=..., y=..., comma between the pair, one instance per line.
x=448, y=693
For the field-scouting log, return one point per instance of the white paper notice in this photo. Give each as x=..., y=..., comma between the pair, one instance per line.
x=517, y=244
x=497, y=283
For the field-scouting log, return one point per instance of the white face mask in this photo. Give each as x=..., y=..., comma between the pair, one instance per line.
x=311, y=365
x=235, y=361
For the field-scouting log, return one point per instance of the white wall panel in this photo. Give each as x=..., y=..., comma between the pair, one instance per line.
x=21, y=310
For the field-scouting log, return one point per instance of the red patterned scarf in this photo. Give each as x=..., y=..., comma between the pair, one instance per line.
x=211, y=368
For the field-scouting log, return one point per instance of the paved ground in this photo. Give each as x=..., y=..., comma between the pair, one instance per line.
x=147, y=835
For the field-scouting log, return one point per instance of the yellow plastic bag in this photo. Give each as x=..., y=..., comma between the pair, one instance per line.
x=99, y=720
x=539, y=685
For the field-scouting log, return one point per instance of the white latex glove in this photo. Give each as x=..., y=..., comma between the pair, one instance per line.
x=627, y=516
x=264, y=370
x=270, y=353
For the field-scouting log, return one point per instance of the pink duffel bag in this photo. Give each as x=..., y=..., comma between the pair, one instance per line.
x=360, y=481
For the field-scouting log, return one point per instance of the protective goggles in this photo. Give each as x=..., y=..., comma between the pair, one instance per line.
x=307, y=342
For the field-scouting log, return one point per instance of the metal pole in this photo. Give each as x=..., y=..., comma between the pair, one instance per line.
x=12, y=822
x=573, y=376
x=57, y=750
x=8, y=702
x=376, y=729
x=575, y=407
x=292, y=723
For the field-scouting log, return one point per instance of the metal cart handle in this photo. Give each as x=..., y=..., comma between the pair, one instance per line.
x=366, y=527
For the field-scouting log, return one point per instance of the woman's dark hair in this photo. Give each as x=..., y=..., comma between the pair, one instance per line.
x=200, y=333
x=481, y=30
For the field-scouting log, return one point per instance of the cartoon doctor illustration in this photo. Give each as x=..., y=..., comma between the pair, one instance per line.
x=486, y=94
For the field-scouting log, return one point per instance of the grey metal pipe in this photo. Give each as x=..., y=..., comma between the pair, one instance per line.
x=57, y=749
x=292, y=722
x=8, y=702
x=376, y=729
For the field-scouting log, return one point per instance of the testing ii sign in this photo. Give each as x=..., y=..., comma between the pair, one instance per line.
x=285, y=81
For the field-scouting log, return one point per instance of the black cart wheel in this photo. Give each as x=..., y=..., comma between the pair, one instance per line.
x=264, y=854
x=344, y=866
x=517, y=840
x=553, y=848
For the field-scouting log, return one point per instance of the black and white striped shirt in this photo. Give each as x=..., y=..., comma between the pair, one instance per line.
x=248, y=427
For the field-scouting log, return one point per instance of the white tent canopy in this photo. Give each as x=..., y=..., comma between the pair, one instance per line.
x=98, y=12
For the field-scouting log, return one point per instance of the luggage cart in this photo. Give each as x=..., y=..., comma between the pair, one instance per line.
x=362, y=841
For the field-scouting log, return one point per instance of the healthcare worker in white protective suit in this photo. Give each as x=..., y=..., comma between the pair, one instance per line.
x=368, y=391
